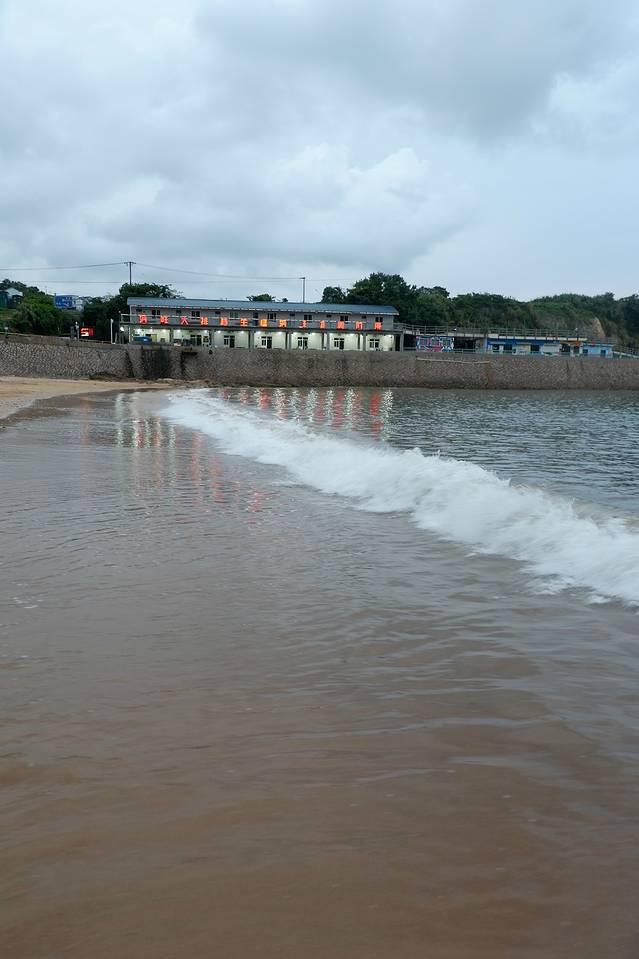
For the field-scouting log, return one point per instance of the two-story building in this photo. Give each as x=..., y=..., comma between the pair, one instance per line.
x=242, y=324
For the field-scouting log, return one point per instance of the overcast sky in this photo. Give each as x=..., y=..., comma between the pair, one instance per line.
x=476, y=144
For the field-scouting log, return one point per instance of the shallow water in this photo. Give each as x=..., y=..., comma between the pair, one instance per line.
x=275, y=683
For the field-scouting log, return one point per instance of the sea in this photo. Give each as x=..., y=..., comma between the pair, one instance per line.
x=337, y=673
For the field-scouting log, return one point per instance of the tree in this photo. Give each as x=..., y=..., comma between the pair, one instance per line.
x=102, y=311
x=630, y=313
x=333, y=294
x=262, y=298
x=39, y=315
x=432, y=307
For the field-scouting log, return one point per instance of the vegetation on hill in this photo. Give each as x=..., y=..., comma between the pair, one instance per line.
x=35, y=313
x=38, y=314
x=421, y=306
x=594, y=316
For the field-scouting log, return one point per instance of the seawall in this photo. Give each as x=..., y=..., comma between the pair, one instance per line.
x=55, y=358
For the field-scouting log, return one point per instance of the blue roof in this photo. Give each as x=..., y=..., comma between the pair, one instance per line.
x=195, y=304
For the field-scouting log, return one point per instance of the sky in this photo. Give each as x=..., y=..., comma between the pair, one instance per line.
x=238, y=145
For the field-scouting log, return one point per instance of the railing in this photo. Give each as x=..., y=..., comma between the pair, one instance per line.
x=470, y=332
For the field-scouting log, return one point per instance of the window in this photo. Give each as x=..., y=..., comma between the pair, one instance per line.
x=344, y=318
x=508, y=348
x=291, y=316
x=234, y=315
x=338, y=342
x=602, y=353
x=585, y=351
x=308, y=317
x=195, y=314
x=374, y=344
x=271, y=316
x=495, y=347
x=267, y=342
x=255, y=316
x=217, y=312
x=534, y=347
x=155, y=314
x=302, y=342
x=229, y=340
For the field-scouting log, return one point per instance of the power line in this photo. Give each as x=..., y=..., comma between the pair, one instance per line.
x=242, y=276
x=215, y=276
x=165, y=269
x=112, y=282
x=79, y=266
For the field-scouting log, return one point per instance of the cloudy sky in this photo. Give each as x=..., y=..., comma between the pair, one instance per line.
x=476, y=144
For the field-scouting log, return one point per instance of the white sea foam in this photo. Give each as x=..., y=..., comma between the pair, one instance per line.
x=454, y=499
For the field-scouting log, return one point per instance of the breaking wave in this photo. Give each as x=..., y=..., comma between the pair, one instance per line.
x=454, y=499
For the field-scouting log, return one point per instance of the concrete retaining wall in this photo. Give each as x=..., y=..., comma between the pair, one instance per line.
x=309, y=368
x=61, y=358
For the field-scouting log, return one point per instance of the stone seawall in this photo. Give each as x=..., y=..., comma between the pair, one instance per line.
x=311, y=368
x=62, y=358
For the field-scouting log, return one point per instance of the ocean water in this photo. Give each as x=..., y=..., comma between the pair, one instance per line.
x=343, y=673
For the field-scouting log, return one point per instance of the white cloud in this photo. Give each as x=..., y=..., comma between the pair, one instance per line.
x=303, y=136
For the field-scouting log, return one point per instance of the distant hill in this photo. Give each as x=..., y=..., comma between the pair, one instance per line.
x=597, y=317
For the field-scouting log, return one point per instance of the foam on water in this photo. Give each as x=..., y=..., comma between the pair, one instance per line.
x=454, y=499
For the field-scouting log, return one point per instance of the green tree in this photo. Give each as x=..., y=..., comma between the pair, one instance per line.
x=39, y=315
x=102, y=311
x=333, y=294
x=261, y=298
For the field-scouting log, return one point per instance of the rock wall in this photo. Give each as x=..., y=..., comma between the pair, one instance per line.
x=314, y=368
x=311, y=368
x=47, y=356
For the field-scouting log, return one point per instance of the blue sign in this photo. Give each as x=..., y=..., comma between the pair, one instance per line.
x=64, y=302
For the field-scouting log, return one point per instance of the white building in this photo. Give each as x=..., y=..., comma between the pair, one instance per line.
x=241, y=324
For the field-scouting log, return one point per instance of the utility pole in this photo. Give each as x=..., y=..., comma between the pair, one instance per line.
x=303, y=279
x=129, y=263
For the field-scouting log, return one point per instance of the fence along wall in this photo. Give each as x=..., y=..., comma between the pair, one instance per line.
x=305, y=368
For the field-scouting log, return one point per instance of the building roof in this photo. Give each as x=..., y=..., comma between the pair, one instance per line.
x=194, y=304
x=11, y=291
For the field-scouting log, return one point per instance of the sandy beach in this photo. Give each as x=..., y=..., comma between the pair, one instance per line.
x=19, y=392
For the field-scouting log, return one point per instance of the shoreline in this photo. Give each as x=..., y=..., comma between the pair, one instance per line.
x=21, y=393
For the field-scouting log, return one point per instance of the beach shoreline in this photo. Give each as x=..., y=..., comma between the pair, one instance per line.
x=20, y=393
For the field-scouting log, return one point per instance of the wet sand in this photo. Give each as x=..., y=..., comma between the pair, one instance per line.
x=18, y=393
x=241, y=718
